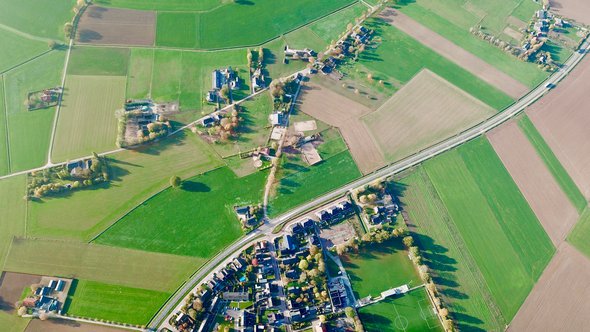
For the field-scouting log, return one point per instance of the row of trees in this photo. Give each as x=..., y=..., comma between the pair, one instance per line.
x=353, y=315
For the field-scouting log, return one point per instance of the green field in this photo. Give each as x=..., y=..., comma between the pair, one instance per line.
x=581, y=233
x=4, y=154
x=409, y=57
x=453, y=269
x=198, y=218
x=559, y=173
x=13, y=323
x=12, y=212
x=240, y=23
x=411, y=312
x=42, y=18
x=452, y=19
x=507, y=241
x=17, y=49
x=98, y=61
x=126, y=267
x=300, y=183
x=141, y=65
x=377, y=268
x=136, y=175
x=161, y=5
x=114, y=303
x=87, y=121
x=330, y=27
x=30, y=131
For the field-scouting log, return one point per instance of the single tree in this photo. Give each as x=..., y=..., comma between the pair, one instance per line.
x=349, y=311
x=408, y=241
x=175, y=181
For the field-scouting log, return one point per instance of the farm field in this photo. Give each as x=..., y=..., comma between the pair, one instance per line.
x=87, y=121
x=50, y=17
x=411, y=312
x=4, y=153
x=557, y=170
x=544, y=195
x=136, y=175
x=410, y=57
x=330, y=27
x=118, y=266
x=86, y=60
x=162, y=5
x=13, y=323
x=425, y=111
x=30, y=131
x=114, y=303
x=112, y=26
x=454, y=19
x=12, y=212
x=474, y=185
x=455, y=272
x=574, y=9
x=188, y=215
x=17, y=49
x=61, y=325
x=581, y=233
x=267, y=19
x=377, y=268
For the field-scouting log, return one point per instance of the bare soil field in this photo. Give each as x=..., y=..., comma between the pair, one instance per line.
x=454, y=53
x=563, y=119
x=426, y=110
x=554, y=210
x=339, y=111
x=62, y=325
x=11, y=288
x=578, y=10
x=559, y=300
x=111, y=26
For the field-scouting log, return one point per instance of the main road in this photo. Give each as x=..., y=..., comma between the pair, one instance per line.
x=228, y=253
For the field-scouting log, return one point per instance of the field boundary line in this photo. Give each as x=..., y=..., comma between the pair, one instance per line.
x=26, y=35
x=6, y=126
x=25, y=62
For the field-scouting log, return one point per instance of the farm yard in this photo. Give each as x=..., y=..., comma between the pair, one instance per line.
x=108, y=26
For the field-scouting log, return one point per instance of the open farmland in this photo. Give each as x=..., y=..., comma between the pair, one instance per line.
x=62, y=325
x=108, y=26
x=425, y=111
x=558, y=301
x=4, y=152
x=552, y=207
x=119, y=266
x=136, y=175
x=39, y=18
x=114, y=303
x=456, y=54
x=162, y=5
x=411, y=312
x=87, y=121
x=474, y=185
x=566, y=131
x=188, y=215
x=13, y=323
x=12, y=212
x=581, y=233
x=86, y=60
x=455, y=272
x=578, y=10
x=17, y=49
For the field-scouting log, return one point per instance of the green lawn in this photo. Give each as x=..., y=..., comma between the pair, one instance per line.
x=4, y=156
x=379, y=267
x=241, y=23
x=452, y=20
x=120, y=266
x=409, y=57
x=43, y=18
x=499, y=228
x=98, y=61
x=12, y=212
x=581, y=233
x=453, y=268
x=330, y=27
x=303, y=183
x=162, y=5
x=411, y=312
x=114, y=303
x=16, y=49
x=559, y=173
x=87, y=121
x=136, y=175
x=195, y=220
x=30, y=131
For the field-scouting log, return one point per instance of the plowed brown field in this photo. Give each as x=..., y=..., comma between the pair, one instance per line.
x=111, y=26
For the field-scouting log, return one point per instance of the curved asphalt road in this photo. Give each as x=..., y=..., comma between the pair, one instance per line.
x=162, y=316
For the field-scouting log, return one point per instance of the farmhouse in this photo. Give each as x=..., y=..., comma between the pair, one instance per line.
x=49, y=296
x=142, y=120
x=303, y=54
x=80, y=168
x=227, y=76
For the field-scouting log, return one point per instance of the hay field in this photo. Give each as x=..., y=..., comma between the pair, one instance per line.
x=427, y=110
x=87, y=120
x=12, y=212
x=16, y=49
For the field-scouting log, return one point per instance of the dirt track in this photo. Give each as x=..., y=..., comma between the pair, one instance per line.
x=111, y=26
x=559, y=301
x=339, y=111
x=578, y=10
x=456, y=54
x=12, y=286
x=59, y=325
x=552, y=207
x=563, y=118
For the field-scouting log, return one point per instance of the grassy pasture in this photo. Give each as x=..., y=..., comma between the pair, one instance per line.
x=411, y=312
x=581, y=233
x=4, y=155
x=43, y=18
x=136, y=175
x=305, y=38
x=139, y=80
x=198, y=217
x=12, y=212
x=409, y=57
x=13, y=323
x=16, y=49
x=475, y=186
x=98, y=61
x=126, y=267
x=185, y=37
x=87, y=120
x=29, y=132
x=377, y=268
x=330, y=27
x=162, y=5
x=114, y=303
x=559, y=173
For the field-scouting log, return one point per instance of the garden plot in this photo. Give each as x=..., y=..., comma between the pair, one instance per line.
x=110, y=26
x=554, y=210
x=427, y=110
